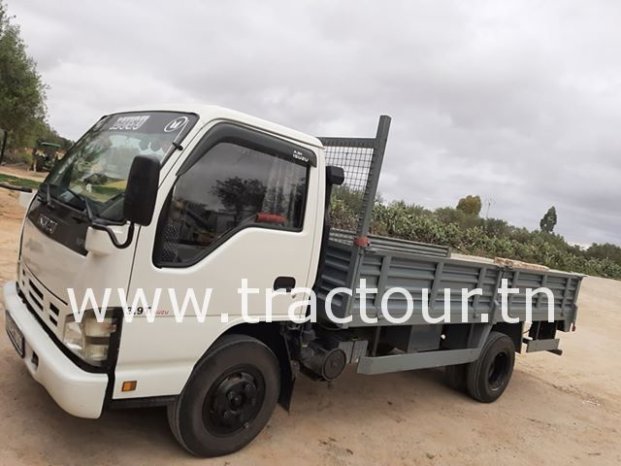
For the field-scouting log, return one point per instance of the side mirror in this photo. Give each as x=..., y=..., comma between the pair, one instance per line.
x=141, y=190
x=335, y=175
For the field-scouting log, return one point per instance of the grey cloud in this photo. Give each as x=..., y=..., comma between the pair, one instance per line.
x=516, y=101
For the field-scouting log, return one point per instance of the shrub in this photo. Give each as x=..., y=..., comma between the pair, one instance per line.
x=21, y=157
x=470, y=234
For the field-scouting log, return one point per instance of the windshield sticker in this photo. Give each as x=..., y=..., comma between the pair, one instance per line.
x=176, y=124
x=129, y=123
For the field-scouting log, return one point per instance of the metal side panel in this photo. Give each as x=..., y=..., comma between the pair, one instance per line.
x=346, y=264
x=411, y=361
x=564, y=288
x=419, y=274
x=382, y=244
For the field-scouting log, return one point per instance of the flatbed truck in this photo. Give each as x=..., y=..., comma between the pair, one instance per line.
x=195, y=198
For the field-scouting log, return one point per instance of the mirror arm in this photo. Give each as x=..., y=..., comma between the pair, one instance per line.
x=123, y=245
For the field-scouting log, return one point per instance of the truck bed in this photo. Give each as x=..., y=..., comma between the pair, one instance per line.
x=389, y=262
x=385, y=263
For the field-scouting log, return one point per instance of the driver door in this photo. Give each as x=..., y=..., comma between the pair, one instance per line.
x=242, y=206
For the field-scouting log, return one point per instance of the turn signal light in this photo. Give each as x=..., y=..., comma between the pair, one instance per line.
x=129, y=386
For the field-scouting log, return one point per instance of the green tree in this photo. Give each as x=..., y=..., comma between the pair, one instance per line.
x=22, y=93
x=470, y=205
x=548, y=221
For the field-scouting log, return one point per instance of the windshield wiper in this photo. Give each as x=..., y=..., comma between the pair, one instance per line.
x=85, y=202
x=89, y=209
x=92, y=218
x=44, y=190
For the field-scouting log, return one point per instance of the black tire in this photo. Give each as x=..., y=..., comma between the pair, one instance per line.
x=228, y=399
x=488, y=377
x=455, y=376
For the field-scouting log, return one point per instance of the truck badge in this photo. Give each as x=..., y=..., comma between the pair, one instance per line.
x=47, y=224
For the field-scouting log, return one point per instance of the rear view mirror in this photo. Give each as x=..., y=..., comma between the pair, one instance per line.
x=335, y=175
x=141, y=190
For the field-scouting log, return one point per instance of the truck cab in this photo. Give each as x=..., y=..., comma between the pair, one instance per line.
x=237, y=198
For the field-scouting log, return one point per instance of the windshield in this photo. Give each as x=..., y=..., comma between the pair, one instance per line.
x=95, y=170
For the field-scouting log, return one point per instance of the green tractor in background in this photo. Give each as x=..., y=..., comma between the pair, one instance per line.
x=44, y=156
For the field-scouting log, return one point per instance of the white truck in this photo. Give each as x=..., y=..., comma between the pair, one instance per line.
x=234, y=211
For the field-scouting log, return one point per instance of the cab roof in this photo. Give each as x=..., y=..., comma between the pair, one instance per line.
x=207, y=113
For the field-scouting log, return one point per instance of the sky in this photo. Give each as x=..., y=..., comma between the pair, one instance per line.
x=516, y=101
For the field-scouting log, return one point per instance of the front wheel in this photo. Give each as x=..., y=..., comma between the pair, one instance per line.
x=228, y=399
x=488, y=377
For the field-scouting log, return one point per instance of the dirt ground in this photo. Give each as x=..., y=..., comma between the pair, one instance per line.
x=557, y=410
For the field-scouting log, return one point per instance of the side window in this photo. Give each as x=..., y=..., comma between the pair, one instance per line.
x=228, y=188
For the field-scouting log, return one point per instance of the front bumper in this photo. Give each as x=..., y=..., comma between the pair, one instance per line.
x=77, y=391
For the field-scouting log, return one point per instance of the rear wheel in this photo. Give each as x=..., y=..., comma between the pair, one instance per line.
x=488, y=377
x=229, y=398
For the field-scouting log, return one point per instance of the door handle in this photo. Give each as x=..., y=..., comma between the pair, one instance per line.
x=284, y=283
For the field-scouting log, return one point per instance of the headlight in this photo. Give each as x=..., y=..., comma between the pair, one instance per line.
x=89, y=339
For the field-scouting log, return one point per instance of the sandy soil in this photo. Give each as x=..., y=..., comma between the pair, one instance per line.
x=557, y=410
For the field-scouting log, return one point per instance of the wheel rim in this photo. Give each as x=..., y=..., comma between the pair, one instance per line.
x=234, y=401
x=498, y=371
